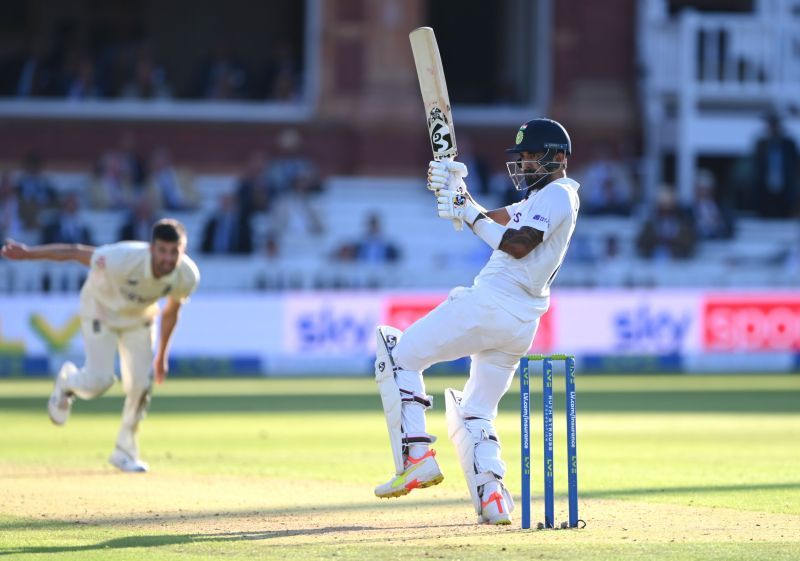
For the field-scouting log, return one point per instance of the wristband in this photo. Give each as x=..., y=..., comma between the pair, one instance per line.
x=489, y=231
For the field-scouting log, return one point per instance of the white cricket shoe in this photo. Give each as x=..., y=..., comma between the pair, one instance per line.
x=125, y=462
x=60, y=402
x=496, y=504
x=419, y=473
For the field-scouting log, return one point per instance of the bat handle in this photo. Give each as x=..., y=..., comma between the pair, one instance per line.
x=458, y=225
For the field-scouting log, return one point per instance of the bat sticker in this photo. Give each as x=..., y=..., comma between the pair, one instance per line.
x=441, y=139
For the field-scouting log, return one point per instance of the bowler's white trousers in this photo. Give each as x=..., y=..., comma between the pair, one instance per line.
x=467, y=323
x=135, y=346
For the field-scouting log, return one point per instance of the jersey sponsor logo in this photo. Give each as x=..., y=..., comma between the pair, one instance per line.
x=752, y=324
x=541, y=218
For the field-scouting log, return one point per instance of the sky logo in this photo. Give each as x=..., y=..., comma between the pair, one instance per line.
x=645, y=329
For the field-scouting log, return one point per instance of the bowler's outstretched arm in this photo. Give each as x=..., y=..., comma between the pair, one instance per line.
x=54, y=252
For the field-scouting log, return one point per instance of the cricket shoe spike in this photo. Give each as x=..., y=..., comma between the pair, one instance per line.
x=60, y=403
x=496, y=504
x=127, y=463
x=418, y=473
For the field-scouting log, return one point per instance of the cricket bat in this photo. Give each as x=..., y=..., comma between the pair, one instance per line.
x=433, y=87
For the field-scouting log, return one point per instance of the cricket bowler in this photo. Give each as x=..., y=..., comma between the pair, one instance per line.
x=118, y=309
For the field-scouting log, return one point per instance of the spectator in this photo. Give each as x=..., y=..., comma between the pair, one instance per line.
x=36, y=75
x=10, y=223
x=139, y=224
x=669, y=232
x=148, y=80
x=172, y=189
x=606, y=184
x=295, y=211
x=372, y=248
x=81, y=82
x=132, y=161
x=111, y=186
x=281, y=77
x=283, y=172
x=252, y=190
x=776, y=161
x=66, y=226
x=710, y=220
x=272, y=248
x=221, y=75
x=227, y=232
x=35, y=191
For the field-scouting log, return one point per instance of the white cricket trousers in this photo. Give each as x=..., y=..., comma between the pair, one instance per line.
x=135, y=346
x=467, y=323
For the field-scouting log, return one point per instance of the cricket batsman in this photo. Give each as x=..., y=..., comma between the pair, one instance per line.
x=118, y=309
x=493, y=321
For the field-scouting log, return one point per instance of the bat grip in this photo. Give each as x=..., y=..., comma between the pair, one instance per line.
x=458, y=225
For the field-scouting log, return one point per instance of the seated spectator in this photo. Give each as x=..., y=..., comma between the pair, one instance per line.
x=111, y=186
x=81, y=80
x=132, y=161
x=226, y=231
x=710, y=220
x=606, y=184
x=35, y=191
x=139, y=223
x=36, y=75
x=272, y=247
x=10, y=223
x=252, y=190
x=295, y=212
x=372, y=248
x=173, y=189
x=668, y=233
x=148, y=80
x=290, y=163
x=281, y=78
x=222, y=75
x=65, y=225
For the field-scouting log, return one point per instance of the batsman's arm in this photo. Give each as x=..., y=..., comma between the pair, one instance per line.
x=519, y=243
x=16, y=251
x=169, y=319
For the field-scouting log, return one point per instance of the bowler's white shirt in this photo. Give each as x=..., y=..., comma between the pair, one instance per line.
x=121, y=290
x=519, y=286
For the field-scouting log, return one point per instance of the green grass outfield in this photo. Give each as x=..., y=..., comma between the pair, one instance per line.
x=704, y=467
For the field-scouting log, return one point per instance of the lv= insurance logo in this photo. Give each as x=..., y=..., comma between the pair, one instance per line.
x=56, y=339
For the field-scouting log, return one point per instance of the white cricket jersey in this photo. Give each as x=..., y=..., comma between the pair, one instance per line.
x=121, y=290
x=520, y=286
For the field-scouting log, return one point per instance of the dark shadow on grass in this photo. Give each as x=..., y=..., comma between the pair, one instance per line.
x=374, y=505
x=181, y=539
x=679, y=401
x=151, y=541
x=295, y=510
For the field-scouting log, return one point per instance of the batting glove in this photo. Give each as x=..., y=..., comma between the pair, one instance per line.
x=446, y=176
x=454, y=205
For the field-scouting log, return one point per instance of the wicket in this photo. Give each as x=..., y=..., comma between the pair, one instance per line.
x=547, y=414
